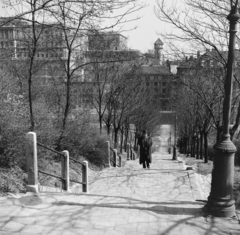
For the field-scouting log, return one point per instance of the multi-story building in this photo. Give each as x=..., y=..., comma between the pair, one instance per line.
x=104, y=49
x=157, y=77
x=107, y=41
x=47, y=44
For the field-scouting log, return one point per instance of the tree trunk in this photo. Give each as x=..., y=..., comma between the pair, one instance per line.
x=205, y=147
x=116, y=138
x=122, y=138
x=185, y=145
x=188, y=146
x=100, y=122
x=197, y=148
x=201, y=145
x=192, y=147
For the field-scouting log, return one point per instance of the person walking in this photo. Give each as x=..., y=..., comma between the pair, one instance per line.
x=145, y=144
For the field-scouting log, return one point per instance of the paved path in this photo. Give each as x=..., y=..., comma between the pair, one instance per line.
x=124, y=201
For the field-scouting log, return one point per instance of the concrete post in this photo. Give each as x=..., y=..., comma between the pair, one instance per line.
x=133, y=155
x=107, y=154
x=85, y=177
x=115, y=158
x=65, y=170
x=120, y=161
x=128, y=151
x=32, y=166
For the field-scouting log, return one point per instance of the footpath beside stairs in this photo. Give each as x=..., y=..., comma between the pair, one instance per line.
x=165, y=199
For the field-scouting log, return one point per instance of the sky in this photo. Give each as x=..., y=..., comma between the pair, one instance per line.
x=142, y=38
x=146, y=33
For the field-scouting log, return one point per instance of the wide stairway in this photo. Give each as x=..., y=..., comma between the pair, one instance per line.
x=164, y=199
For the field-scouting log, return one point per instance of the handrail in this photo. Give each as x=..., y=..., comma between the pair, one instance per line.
x=54, y=151
x=46, y=173
x=70, y=158
x=32, y=166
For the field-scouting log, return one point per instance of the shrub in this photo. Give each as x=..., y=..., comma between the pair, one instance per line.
x=13, y=180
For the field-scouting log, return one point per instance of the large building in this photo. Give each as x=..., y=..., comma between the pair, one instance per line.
x=47, y=45
x=104, y=49
x=157, y=77
x=107, y=41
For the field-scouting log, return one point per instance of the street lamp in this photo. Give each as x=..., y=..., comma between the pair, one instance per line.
x=175, y=140
x=220, y=201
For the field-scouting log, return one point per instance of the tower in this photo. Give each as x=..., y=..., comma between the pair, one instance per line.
x=158, y=46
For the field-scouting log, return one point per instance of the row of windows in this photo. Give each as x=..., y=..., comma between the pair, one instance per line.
x=6, y=34
x=153, y=77
x=7, y=44
x=156, y=84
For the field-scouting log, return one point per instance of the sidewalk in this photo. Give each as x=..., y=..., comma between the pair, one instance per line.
x=165, y=199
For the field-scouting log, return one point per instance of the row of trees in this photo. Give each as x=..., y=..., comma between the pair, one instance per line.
x=49, y=107
x=199, y=101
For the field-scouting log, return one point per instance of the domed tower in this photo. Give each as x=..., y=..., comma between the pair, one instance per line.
x=158, y=46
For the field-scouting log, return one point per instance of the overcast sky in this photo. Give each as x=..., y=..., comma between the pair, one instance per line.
x=145, y=35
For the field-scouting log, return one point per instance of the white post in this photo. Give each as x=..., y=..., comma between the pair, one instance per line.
x=65, y=170
x=85, y=177
x=32, y=166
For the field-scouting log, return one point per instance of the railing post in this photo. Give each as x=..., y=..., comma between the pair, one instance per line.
x=107, y=154
x=85, y=177
x=120, y=161
x=32, y=166
x=65, y=170
x=128, y=151
x=115, y=158
x=133, y=154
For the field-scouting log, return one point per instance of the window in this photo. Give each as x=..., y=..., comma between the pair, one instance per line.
x=155, y=84
x=164, y=90
x=164, y=83
x=147, y=83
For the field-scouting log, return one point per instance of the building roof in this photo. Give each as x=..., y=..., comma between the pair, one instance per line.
x=158, y=42
x=155, y=70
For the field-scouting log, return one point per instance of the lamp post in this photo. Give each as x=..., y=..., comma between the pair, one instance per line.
x=175, y=140
x=220, y=201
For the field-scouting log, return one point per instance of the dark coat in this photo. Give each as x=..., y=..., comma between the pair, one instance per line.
x=145, y=149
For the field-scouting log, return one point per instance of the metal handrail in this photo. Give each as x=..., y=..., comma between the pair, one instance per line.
x=54, y=151
x=63, y=155
x=70, y=158
x=47, y=173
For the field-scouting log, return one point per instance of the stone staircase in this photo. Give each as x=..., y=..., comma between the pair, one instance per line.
x=164, y=199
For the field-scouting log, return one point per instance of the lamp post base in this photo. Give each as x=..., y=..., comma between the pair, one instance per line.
x=219, y=209
x=220, y=201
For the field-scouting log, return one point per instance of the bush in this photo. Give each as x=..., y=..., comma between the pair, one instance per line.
x=13, y=180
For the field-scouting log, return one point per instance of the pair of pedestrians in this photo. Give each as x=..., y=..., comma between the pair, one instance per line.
x=145, y=148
